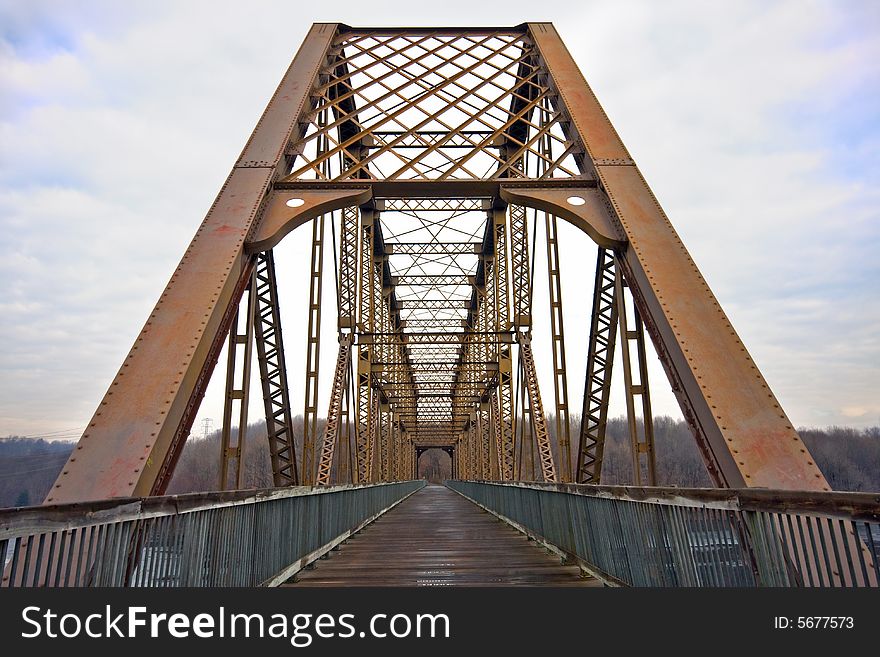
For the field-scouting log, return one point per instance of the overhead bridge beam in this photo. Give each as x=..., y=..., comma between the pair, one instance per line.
x=449, y=189
x=432, y=365
x=443, y=280
x=433, y=248
x=432, y=304
x=432, y=323
x=430, y=338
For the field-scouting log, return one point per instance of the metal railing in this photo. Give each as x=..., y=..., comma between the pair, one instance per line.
x=636, y=536
x=240, y=538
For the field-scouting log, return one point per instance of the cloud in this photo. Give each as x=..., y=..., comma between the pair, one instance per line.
x=754, y=123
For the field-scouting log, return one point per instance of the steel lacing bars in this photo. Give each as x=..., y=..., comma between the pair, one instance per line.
x=273, y=374
x=600, y=360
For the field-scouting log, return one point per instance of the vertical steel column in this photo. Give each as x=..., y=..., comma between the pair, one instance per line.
x=520, y=267
x=366, y=317
x=379, y=350
x=463, y=442
x=331, y=429
x=491, y=340
x=394, y=474
x=400, y=451
x=346, y=467
x=372, y=451
x=485, y=439
x=497, y=457
x=273, y=374
x=384, y=442
x=348, y=268
x=539, y=423
x=525, y=462
x=313, y=343
x=474, y=448
x=235, y=452
x=413, y=461
x=520, y=275
x=488, y=329
x=505, y=422
x=478, y=448
x=557, y=331
x=349, y=240
x=600, y=360
x=639, y=447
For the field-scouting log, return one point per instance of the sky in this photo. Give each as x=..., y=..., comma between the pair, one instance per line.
x=757, y=125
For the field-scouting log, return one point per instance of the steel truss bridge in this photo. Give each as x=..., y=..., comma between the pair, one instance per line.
x=426, y=160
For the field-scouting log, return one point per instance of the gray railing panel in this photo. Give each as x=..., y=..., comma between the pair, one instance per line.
x=241, y=538
x=652, y=536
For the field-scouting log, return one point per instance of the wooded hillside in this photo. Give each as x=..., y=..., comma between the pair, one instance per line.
x=848, y=457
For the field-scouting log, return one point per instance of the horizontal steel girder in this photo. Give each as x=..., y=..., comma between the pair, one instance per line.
x=433, y=248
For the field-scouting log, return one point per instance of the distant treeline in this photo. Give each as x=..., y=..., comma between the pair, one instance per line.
x=848, y=458
x=28, y=468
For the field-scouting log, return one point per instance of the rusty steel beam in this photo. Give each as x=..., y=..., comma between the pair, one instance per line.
x=334, y=412
x=744, y=434
x=519, y=266
x=273, y=374
x=641, y=443
x=431, y=205
x=132, y=442
x=441, y=280
x=431, y=323
x=600, y=359
x=524, y=452
x=237, y=393
x=348, y=268
x=373, y=440
x=432, y=248
x=429, y=338
x=557, y=340
x=366, y=315
x=398, y=190
x=313, y=351
x=431, y=304
x=536, y=408
x=505, y=422
x=384, y=460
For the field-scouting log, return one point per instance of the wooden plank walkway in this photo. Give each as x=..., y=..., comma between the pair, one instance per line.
x=438, y=538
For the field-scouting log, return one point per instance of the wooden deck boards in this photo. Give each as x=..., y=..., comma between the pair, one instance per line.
x=438, y=538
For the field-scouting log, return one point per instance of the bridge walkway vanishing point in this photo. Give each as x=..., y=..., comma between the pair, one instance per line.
x=438, y=538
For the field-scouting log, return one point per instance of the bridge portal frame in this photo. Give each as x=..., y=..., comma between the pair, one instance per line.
x=133, y=441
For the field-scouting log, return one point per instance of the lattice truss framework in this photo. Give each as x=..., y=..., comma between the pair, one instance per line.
x=435, y=339
x=436, y=153
x=435, y=329
x=432, y=106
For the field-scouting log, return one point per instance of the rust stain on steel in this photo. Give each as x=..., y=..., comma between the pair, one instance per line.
x=733, y=409
x=437, y=538
x=130, y=438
